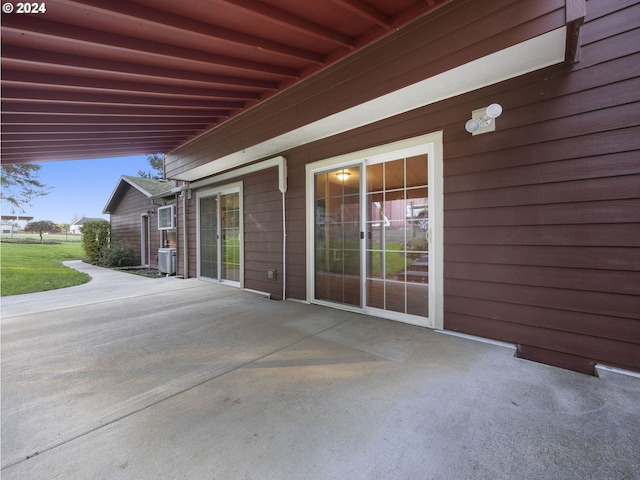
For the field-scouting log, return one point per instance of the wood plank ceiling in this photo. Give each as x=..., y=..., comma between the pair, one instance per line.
x=95, y=78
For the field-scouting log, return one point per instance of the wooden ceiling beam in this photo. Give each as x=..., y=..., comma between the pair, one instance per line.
x=90, y=128
x=23, y=94
x=109, y=110
x=99, y=119
x=290, y=21
x=21, y=79
x=19, y=58
x=84, y=154
x=95, y=144
x=159, y=19
x=366, y=11
x=27, y=138
x=104, y=44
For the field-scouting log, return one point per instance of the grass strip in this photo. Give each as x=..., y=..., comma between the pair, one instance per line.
x=28, y=268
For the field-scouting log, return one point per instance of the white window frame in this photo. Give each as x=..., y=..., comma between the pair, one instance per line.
x=172, y=212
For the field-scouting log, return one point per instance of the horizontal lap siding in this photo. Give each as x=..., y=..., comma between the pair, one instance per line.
x=126, y=223
x=262, y=204
x=263, y=232
x=542, y=217
x=296, y=227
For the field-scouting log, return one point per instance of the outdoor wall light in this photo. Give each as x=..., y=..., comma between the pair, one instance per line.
x=483, y=120
x=151, y=212
x=343, y=175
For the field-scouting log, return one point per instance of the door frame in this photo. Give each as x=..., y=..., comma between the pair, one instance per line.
x=145, y=240
x=235, y=187
x=431, y=144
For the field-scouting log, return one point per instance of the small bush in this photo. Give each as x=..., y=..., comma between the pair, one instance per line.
x=95, y=238
x=120, y=255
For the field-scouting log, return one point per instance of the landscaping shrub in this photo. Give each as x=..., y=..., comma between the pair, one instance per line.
x=119, y=255
x=95, y=238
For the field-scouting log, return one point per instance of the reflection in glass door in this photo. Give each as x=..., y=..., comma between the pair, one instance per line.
x=337, y=228
x=209, y=237
x=388, y=272
x=220, y=236
x=397, y=224
x=230, y=237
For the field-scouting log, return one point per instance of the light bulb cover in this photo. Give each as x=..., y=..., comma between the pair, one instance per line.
x=472, y=125
x=494, y=110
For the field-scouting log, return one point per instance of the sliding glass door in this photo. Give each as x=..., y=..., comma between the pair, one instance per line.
x=220, y=235
x=372, y=231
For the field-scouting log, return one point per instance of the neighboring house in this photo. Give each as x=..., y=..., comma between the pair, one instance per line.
x=75, y=226
x=133, y=208
x=533, y=231
x=12, y=225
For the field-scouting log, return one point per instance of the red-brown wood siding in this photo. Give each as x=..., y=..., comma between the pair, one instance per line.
x=263, y=232
x=542, y=225
x=126, y=224
x=542, y=218
x=262, y=208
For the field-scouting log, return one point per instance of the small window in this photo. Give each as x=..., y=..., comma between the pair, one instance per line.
x=166, y=218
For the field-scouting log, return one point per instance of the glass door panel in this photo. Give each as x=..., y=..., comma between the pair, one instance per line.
x=397, y=272
x=337, y=236
x=209, y=237
x=230, y=236
x=220, y=236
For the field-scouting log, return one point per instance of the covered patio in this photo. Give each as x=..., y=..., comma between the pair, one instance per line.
x=130, y=377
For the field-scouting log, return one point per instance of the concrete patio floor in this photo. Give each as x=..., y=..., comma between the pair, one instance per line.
x=128, y=377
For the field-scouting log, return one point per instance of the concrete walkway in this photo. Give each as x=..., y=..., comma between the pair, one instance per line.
x=128, y=377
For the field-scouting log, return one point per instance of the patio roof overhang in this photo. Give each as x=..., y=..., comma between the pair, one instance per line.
x=92, y=79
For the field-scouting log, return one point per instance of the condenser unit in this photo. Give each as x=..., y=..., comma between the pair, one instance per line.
x=167, y=260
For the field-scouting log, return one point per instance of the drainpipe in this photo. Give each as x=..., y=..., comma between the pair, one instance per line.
x=185, y=193
x=282, y=186
x=185, y=247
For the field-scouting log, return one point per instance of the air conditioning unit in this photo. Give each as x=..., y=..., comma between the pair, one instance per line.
x=167, y=260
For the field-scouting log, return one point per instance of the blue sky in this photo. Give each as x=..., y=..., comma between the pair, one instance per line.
x=79, y=187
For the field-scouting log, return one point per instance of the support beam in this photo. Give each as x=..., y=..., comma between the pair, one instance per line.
x=290, y=21
x=366, y=11
x=146, y=16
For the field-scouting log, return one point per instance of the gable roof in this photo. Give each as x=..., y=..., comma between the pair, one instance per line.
x=149, y=187
x=83, y=220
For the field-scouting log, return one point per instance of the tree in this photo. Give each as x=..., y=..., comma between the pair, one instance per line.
x=157, y=165
x=20, y=184
x=42, y=226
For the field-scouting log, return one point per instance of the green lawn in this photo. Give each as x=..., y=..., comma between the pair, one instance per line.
x=35, y=267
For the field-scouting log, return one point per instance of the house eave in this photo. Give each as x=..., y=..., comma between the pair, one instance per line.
x=530, y=55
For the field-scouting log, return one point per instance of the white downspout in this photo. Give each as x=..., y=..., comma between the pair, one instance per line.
x=184, y=193
x=282, y=185
x=185, y=246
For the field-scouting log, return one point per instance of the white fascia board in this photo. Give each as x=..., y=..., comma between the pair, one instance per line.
x=525, y=57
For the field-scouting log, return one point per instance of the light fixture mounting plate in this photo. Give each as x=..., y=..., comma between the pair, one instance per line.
x=485, y=127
